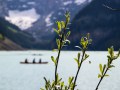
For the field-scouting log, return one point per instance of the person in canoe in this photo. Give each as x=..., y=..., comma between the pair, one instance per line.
x=26, y=61
x=40, y=60
x=34, y=60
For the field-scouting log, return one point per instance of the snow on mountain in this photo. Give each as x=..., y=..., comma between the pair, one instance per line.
x=31, y=3
x=24, y=6
x=67, y=3
x=78, y=2
x=48, y=21
x=23, y=19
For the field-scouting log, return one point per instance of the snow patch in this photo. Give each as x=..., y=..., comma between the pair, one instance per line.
x=24, y=6
x=48, y=20
x=23, y=19
x=67, y=2
x=78, y=2
x=31, y=3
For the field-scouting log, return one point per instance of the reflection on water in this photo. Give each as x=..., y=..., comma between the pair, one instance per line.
x=16, y=76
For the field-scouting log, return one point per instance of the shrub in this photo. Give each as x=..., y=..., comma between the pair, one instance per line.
x=62, y=40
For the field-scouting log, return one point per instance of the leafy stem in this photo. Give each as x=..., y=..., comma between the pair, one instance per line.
x=101, y=78
x=79, y=67
x=104, y=68
x=62, y=26
x=85, y=41
x=56, y=66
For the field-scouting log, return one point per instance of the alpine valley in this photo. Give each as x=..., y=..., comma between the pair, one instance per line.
x=28, y=24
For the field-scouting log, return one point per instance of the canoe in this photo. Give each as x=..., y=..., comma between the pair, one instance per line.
x=34, y=63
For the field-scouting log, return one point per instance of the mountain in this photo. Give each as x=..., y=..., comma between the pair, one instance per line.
x=38, y=16
x=14, y=37
x=102, y=23
x=7, y=44
x=36, y=19
x=3, y=8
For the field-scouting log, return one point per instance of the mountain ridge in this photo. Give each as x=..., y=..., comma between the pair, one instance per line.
x=43, y=14
x=101, y=22
x=7, y=44
x=15, y=36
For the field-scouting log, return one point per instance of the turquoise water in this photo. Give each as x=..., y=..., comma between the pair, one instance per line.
x=16, y=76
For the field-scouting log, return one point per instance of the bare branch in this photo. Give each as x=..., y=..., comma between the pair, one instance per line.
x=113, y=9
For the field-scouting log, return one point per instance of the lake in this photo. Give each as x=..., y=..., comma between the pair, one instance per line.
x=16, y=76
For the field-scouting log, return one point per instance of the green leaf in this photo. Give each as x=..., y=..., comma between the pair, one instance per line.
x=106, y=75
x=82, y=40
x=62, y=84
x=76, y=60
x=117, y=55
x=86, y=55
x=109, y=60
x=108, y=57
x=63, y=24
x=52, y=58
x=110, y=66
x=101, y=68
x=58, y=43
x=78, y=63
x=67, y=15
x=55, y=50
x=70, y=80
x=56, y=31
x=58, y=78
x=58, y=25
x=83, y=43
x=78, y=56
x=111, y=51
x=68, y=34
x=53, y=83
x=99, y=76
x=42, y=89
